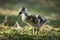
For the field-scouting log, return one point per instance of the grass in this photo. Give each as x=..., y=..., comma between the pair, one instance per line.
x=46, y=32
x=54, y=23
x=11, y=34
x=11, y=20
x=2, y=18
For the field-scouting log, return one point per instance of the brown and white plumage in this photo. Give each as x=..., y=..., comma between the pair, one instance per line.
x=33, y=20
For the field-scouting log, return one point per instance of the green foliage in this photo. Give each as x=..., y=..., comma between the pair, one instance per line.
x=54, y=23
x=11, y=20
x=2, y=17
x=9, y=34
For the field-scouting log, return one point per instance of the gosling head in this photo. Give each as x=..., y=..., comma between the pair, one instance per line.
x=23, y=10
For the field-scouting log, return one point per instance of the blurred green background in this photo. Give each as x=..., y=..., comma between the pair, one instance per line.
x=50, y=9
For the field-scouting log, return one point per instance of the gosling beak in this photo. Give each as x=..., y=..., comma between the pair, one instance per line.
x=19, y=13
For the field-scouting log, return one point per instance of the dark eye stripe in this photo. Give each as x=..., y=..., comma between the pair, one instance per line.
x=23, y=8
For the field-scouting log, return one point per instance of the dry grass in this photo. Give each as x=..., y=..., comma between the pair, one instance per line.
x=8, y=11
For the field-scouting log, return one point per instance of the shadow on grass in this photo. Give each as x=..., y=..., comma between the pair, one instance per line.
x=55, y=23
